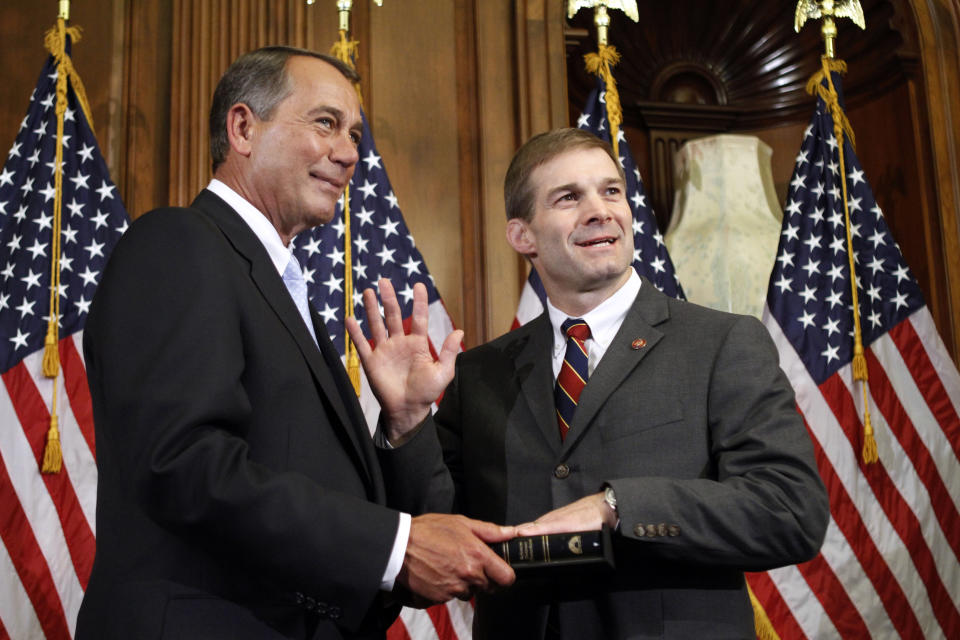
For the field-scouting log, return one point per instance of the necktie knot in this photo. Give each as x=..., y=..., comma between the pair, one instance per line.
x=576, y=328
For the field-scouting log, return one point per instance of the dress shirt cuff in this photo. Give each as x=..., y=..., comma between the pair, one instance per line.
x=396, y=555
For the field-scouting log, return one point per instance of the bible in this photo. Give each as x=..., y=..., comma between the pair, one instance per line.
x=587, y=549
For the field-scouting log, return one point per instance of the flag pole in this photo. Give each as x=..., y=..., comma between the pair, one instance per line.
x=346, y=51
x=827, y=10
x=601, y=63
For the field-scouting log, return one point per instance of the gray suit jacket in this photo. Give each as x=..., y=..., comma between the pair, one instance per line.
x=695, y=427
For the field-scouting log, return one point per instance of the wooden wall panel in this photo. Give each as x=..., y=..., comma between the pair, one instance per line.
x=22, y=56
x=206, y=36
x=938, y=25
x=415, y=124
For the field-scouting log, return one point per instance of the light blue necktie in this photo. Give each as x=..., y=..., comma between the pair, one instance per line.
x=293, y=278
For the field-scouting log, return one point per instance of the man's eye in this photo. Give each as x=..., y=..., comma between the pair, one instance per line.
x=568, y=197
x=325, y=122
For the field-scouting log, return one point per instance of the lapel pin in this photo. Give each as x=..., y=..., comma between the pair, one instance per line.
x=638, y=344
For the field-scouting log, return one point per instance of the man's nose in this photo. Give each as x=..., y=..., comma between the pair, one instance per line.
x=344, y=151
x=594, y=208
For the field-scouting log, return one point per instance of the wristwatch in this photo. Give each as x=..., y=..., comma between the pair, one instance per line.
x=610, y=497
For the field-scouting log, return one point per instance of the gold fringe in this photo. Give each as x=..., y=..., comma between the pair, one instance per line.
x=761, y=622
x=601, y=64
x=52, y=454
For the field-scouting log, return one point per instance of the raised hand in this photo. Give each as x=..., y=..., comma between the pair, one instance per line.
x=447, y=557
x=402, y=372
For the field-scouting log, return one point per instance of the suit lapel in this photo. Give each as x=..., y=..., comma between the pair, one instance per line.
x=622, y=356
x=537, y=386
x=268, y=281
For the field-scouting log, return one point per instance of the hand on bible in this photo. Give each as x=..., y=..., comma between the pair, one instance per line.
x=586, y=514
x=402, y=372
x=448, y=557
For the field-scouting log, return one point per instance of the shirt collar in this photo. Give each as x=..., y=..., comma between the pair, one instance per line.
x=258, y=223
x=604, y=319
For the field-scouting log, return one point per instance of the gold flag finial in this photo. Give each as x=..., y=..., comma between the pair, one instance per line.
x=64, y=10
x=601, y=17
x=828, y=10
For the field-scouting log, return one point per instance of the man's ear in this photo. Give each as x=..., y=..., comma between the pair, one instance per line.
x=241, y=126
x=520, y=238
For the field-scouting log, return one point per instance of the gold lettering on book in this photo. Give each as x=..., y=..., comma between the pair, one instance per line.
x=525, y=550
x=576, y=545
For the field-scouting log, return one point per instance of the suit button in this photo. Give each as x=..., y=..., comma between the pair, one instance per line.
x=673, y=530
x=651, y=530
x=638, y=530
x=322, y=609
x=309, y=603
x=334, y=613
x=299, y=599
x=661, y=529
x=561, y=471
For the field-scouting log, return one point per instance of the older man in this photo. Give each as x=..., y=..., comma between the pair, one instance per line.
x=239, y=494
x=670, y=423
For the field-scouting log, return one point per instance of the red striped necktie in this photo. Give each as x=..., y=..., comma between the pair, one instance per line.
x=573, y=372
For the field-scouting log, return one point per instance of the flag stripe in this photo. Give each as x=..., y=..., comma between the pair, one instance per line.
x=28, y=561
x=779, y=614
x=441, y=622
x=923, y=465
x=75, y=383
x=855, y=555
x=896, y=516
x=48, y=500
x=942, y=407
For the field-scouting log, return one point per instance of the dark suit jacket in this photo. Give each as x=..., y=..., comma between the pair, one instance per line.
x=697, y=432
x=239, y=495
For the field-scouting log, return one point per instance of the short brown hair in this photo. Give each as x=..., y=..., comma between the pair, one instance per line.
x=259, y=80
x=517, y=191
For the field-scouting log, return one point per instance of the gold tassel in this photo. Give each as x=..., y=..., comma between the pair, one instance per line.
x=51, y=356
x=859, y=362
x=600, y=64
x=870, y=454
x=761, y=622
x=52, y=454
x=353, y=368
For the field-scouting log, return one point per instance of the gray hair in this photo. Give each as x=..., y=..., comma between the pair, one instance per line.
x=259, y=80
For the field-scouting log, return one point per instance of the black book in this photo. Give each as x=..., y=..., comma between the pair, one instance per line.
x=586, y=549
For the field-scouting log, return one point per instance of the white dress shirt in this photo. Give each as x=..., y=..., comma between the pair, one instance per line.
x=604, y=321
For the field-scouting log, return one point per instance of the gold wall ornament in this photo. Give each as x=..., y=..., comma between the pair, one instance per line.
x=828, y=10
x=601, y=17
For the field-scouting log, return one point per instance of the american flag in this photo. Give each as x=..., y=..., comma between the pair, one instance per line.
x=889, y=565
x=47, y=526
x=381, y=247
x=650, y=256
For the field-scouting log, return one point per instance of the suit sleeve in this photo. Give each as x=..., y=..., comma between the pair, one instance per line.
x=760, y=503
x=165, y=347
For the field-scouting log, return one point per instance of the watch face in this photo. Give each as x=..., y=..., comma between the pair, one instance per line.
x=610, y=497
